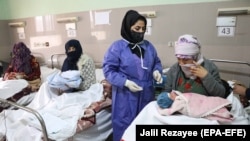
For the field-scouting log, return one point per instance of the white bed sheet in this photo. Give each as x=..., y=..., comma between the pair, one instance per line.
x=150, y=116
x=45, y=71
x=17, y=128
x=68, y=107
x=7, y=90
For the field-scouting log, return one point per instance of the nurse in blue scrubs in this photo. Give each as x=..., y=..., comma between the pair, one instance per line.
x=131, y=64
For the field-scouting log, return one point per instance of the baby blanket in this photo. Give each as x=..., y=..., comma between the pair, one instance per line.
x=65, y=80
x=200, y=106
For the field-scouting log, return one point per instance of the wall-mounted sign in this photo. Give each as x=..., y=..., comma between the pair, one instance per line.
x=226, y=31
x=21, y=35
x=226, y=21
x=71, y=33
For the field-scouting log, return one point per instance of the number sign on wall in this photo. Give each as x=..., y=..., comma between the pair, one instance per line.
x=226, y=31
x=226, y=26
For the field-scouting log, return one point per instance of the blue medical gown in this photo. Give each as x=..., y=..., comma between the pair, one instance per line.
x=121, y=64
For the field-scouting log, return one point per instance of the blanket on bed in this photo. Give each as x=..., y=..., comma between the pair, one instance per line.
x=65, y=80
x=8, y=92
x=200, y=106
x=60, y=113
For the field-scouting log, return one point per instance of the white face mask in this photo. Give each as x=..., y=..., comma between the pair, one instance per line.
x=186, y=69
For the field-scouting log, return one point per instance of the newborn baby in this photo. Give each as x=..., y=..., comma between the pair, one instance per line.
x=194, y=105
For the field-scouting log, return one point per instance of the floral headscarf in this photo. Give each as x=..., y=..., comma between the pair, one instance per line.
x=21, y=56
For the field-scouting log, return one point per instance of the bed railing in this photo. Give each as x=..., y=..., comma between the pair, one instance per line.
x=38, y=116
x=40, y=58
x=52, y=59
x=232, y=62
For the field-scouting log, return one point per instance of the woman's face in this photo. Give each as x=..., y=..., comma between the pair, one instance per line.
x=183, y=61
x=139, y=26
x=16, y=52
x=71, y=49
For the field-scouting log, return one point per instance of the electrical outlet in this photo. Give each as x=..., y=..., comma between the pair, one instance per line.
x=47, y=44
x=170, y=44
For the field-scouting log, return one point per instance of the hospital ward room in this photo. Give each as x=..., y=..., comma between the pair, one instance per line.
x=93, y=71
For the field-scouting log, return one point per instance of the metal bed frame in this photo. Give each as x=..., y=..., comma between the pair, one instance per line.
x=38, y=116
x=52, y=57
x=232, y=62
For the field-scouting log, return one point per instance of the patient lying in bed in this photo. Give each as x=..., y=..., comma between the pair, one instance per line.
x=195, y=105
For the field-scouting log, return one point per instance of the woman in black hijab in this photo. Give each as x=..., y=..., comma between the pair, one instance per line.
x=73, y=50
x=76, y=60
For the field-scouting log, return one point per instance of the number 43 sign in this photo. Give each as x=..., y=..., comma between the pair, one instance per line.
x=226, y=31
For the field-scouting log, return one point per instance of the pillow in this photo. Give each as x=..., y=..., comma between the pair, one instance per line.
x=99, y=75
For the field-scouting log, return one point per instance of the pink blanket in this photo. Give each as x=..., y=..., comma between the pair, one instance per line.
x=200, y=106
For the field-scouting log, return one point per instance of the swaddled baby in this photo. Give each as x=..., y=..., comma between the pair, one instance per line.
x=194, y=105
x=66, y=81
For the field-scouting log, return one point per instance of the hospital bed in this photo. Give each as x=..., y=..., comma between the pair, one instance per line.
x=35, y=118
x=241, y=115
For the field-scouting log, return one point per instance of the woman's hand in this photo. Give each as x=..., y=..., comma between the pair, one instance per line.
x=9, y=76
x=239, y=89
x=198, y=70
x=19, y=75
x=88, y=113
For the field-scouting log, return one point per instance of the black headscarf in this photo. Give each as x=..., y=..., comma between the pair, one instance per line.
x=130, y=18
x=70, y=63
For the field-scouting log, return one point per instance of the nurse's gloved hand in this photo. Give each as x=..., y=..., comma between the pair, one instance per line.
x=157, y=76
x=132, y=86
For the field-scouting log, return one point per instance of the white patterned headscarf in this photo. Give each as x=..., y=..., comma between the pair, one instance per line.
x=188, y=47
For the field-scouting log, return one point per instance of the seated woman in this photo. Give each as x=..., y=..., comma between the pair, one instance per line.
x=76, y=60
x=193, y=72
x=24, y=66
